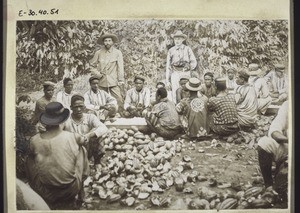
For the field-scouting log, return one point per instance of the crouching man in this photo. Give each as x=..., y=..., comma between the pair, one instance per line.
x=163, y=118
x=275, y=148
x=87, y=125
x=57, y=163
x=137, y=98
x=99, y=102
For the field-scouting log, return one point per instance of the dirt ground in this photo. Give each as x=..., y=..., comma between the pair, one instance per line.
x=228, y=163
x=232, y=165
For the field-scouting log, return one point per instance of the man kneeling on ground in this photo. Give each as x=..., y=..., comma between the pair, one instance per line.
x=163, y=118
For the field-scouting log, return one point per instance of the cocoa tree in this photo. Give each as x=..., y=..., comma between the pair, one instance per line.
x=55, y=49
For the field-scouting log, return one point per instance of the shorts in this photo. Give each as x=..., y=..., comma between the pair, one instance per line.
x=279, y=151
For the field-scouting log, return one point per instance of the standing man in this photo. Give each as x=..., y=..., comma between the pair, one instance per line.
x=180, y=61
x=109, y=64
x=246, y=100
x=100, y=102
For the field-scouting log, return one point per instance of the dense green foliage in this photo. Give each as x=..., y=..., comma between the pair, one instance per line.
x=54, y=49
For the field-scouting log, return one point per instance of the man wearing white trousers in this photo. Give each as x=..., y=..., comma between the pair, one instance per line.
x=180, y=61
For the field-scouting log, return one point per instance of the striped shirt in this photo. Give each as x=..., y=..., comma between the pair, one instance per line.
x=88, y=123
x=93, y=101
x=135, y=98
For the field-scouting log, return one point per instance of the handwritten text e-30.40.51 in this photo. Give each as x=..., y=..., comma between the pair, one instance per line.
x=53, y=11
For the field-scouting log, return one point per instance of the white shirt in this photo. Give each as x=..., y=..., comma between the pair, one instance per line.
x=64, y=98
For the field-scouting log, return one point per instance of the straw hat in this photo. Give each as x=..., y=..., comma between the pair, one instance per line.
x=108, y=35
x=179, y=34
x=193, y=84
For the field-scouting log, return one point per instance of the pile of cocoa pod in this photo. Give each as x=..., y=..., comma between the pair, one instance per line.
x=254, y=197
x=138, y=167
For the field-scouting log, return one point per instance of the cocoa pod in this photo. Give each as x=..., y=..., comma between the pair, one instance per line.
x=229, y=203
x=153, y=136
x=260, y=203
x=162, y=183
x=134, y=128
x=253, y=192
x=140, y=147
x=130, y=132
x=160, y=144
x=113, y=198
x=139, y=135
x=243, y=205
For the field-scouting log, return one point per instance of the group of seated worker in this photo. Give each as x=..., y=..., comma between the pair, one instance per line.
x=222, y=105
x=71, y=126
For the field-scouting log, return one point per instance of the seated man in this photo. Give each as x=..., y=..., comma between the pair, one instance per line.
x=208, y=88
x=57, y=162
x=194, y=111
x=246, y=101
x=64, y=96
x=163, y=118
x=230, y=81
x=260, y=85
x=43, y=101
x=159, y=84
x=182, y=92
x=275, y=148
x=137, y=99
x=87, y=125
x=99, y=102
x=278, y=84
x=223, y=118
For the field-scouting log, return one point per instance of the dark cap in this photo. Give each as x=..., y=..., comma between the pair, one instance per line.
x=244, y=74
x=232, y=70
x=97, y=77
x=220, y=80
x=139, y=77
x=209, y=74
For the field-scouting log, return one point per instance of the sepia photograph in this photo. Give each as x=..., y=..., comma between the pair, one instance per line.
x=152, y=114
